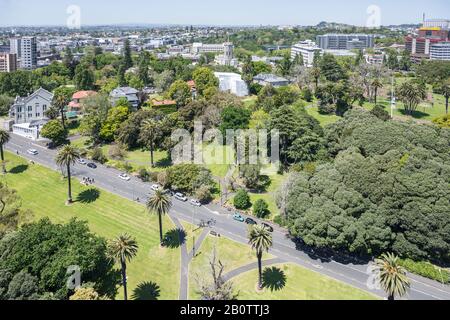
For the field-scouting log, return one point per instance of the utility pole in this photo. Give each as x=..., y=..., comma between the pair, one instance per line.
x=393, y=103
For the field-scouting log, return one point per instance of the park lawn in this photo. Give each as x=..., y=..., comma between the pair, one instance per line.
x=249, y=102
x=231, y=253
x=44, y=192
x=218, y=159
x=193, y=233
x=300, y=284
x=324, y=119
x=270, y=195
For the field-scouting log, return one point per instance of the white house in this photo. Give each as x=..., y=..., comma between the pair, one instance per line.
x=28, y=113
x=130, y=94
x=232, y=82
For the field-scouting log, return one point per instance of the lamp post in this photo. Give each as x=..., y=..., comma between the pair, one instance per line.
x=393, y=102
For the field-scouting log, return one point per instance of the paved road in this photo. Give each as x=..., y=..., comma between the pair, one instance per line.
x=353, y=273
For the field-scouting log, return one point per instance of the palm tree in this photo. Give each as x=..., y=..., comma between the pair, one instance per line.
x=67, y=156
x=376, y=84
x=159, y=204
x=411, y=93
x=445, y=88
x=122, y=250
x=261, y=240
x=4, y=138
x=150, y=133
x=392, y=276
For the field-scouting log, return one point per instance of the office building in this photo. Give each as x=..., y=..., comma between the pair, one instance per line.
x=8, y=62
x=15, y=46
x=440, y=51
x=308, y=49
x=28, y=55
x=345, y=41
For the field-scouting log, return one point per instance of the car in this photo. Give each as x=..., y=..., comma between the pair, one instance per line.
x=124, y=176
x=33, y=152
x=195, y=203
x=92, y=165
x=267, y=227
x=181, y=197
x=214, y=234
x=82, y=162
x=250, y=221
x=155, y=187
x=168, y=192
x=238, y=217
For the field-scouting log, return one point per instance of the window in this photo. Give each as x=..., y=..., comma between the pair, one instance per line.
x=44, y=107
x=30, y=108
x=38, y=114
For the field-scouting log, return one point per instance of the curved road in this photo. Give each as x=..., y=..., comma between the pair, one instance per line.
x=352, y=273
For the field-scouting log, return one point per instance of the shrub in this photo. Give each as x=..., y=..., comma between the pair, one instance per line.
x=116, y=152
x=261, y=209
x=203, y=194
x=379, y=112
x=242, y=200
x=163, y=179
x=143, y=175
x=307, y=94
x=98, y=155
x=443, y=121
x=426, y=269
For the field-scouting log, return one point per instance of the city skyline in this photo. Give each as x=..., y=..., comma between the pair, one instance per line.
x=232, y=12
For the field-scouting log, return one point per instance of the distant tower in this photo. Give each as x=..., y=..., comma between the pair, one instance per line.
x=228, y=48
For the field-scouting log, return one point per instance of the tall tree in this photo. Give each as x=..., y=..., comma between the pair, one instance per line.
x=445, y=90
x=61, y=98
x=122, y=249
x=150, y=136
x=392, y=276
x=261, y=241
x=376, y=85
x=67, y=156
x=127, y=59
x=411, y=93
x=4, y=138
x=84, y=77
x=159, y=204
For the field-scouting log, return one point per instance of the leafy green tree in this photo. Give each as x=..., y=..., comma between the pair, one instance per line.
x=5, y=104
x=84, y=77
x=127, y=59
x=23, y=286
x=55, y=131
x=164, y=79
x=331, y=69
x=392, y=276
x=234, y=118
x=67, y=157
x=180, y=92
x=250, y=173
x=61, y=98
x=96, y=109
x=261, y=208
x=116, y=117
x=150, y=136
x=445, y=90
x=123, y=249
x=4, y=138
x=11, y=212
x=376, y=85
x=379, y=112
x=261, y=241
x=241, y=200
x=204, y=78
x=411, y=93
x=159, y=204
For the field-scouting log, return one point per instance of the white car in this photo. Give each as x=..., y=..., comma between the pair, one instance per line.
x=82, y=162
x=156, y=187
x=195, y=203
x=33, y=152
x=181, y=197
x=124, y=176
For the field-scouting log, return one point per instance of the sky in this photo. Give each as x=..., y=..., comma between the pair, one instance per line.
x=219, y=12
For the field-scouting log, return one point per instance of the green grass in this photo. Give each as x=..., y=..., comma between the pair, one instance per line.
x=192, y=234
x=324, y=119
x=301, y=284
x=270, y=195
x=44, y=192
x=232, y=255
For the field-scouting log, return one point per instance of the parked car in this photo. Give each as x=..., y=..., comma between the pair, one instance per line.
x=82, y=162
x=92, y=165
x=250, y=221
x=215, y=234
x=124, y=176
x=268, y=227
x=195, y=203
x=181, y=197
x=33, y=152
x=238, y=217
x=168, y=192
x=156, y=187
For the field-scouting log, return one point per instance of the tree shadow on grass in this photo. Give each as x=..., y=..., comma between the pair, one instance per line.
x=164, y=163
x=19, y=169
x=274, y=279
x=148, y=291
x=416, y=114
x=88, y=196
x=174, y=238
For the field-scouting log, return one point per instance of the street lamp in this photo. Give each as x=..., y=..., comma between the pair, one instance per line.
x=393, y=100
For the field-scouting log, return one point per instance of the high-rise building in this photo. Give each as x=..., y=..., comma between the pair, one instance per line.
x=345, y=41
x=28, y=57
x=440, y=51
x=15, y=46
x=308, y=49
x=8, y=62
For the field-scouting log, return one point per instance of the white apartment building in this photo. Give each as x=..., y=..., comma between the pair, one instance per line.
x=8, y=62
x=440, y=51
x=28, y=55
x=308, y=49
x=15, y=46
x=233, y=83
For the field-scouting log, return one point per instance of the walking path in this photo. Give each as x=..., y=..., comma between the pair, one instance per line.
x=249, y=267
